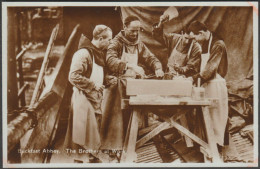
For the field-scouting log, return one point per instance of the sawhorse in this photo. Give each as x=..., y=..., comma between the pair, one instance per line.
x=209, y=149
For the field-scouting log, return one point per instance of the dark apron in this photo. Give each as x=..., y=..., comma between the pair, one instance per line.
x=115, y=120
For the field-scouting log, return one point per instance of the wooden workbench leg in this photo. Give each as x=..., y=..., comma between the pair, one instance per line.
x=184, y=123
x=128, y=154
x=210, y=136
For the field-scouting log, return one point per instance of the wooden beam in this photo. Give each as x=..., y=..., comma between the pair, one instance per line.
x=20, y=64
x=148, y=129
x=21, y=124
x=189, y=134
x=184, y=123
x=22, y=90
x=153, y=133
x=210, y=135
x=159, y=87
x=128, y=154
x=39, y=82
x=62, y=65
x=20, y=54
x=165, y=101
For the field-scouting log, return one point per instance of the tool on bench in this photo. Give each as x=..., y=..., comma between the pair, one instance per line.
x=198, y=93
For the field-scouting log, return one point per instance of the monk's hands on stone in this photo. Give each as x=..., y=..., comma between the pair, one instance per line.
x=111, y=80
x=178, y=69
x=159, y=73
x=99, y=87
x=138, y=69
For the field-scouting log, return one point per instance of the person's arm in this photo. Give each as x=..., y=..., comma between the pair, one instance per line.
x=160, y=36
x=212, y=65
x=193, y=65
x=148, y=58
x=78, y=68
x=113, y=59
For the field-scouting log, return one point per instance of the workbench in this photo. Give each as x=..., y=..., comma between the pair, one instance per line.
x=137, y=103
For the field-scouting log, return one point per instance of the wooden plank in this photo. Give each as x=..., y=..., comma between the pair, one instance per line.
x=22, y=90
x=153, y=133
x=210, y=135
x=189, y=134
x=39, y=82
x=22, y=52
x=204, y=151
x=148, y=129
x=159, y=87
x=128, y=154
x=184, y=123
x=21, y=124
x=165, y=101
x=64, y=61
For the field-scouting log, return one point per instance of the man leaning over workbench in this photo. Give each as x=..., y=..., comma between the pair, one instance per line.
x=125, y=53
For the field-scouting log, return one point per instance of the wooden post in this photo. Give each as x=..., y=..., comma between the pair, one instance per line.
x=153, y=133
x=184, y=123
x=129, y=154
x=20, y=61
x=210, y=135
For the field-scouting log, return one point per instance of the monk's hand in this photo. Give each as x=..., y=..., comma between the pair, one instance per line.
x=99, y=87
x=138, y=69
x=111, y=80
x=159, y=73
x=178, y=69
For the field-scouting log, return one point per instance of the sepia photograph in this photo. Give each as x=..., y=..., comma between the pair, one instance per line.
x=144, y=84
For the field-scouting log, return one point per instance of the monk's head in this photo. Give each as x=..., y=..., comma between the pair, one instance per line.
x=102, y=35
x=199, y=31
x=132, y=26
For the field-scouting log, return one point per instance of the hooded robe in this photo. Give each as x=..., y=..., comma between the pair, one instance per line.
x=115, y=121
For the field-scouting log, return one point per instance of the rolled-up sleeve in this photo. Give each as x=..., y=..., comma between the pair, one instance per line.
x=77, y=75
x=113, y=58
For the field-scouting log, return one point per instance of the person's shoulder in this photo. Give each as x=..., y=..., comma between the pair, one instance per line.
x=117, y=38
x=82, y=54
x=115, y=42
x=218, y=41
x=197, y=46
